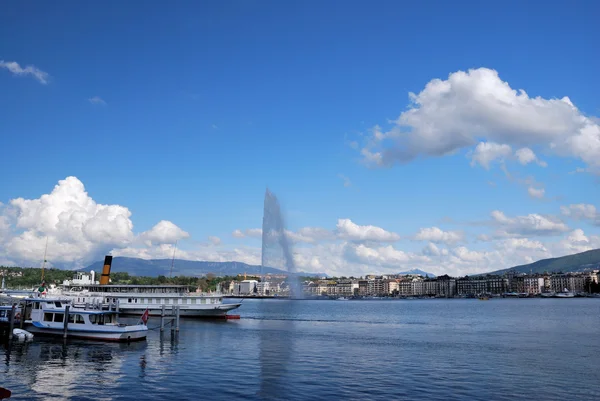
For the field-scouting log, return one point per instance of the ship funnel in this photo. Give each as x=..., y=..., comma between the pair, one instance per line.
x=106, y=270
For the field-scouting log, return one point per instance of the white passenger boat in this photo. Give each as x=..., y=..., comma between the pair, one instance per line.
x=47, y=316
x=135, y=299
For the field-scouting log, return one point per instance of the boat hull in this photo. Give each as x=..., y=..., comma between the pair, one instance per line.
x=184, y=310
x=117, y=334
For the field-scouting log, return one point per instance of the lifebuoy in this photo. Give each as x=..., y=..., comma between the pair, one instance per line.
x=17, y=315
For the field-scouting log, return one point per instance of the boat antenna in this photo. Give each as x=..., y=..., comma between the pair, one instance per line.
x=44, y=264
x=173, y=260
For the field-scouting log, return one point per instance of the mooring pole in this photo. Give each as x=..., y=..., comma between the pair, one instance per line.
x=177, y=320
x=117, y=306
x=162, y=319
x=66, y=325
x=173, y=320
x=23, y=314
x=11, y=324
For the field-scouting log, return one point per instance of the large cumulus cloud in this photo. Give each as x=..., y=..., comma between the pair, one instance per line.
x=477, y=106
x=77, y=229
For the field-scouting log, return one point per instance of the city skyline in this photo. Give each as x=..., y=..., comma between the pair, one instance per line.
x=389, y=146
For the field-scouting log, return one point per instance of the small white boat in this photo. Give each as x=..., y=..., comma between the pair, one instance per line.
x=564, y=295
x=47, y=317
x=22, y=335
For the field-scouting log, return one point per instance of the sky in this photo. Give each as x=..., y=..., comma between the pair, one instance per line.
x=452, y=137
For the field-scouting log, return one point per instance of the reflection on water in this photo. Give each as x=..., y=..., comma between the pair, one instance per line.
x=50, y=368
x=275, y=350
x=299, y=350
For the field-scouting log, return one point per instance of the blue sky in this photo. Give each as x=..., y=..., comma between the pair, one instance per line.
x=185, y=112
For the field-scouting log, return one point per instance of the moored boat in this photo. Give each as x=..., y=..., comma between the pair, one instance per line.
x=135, y=299
x=48, y=316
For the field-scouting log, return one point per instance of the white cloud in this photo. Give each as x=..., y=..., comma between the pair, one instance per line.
x=433, y=250
x=575, y=242
x=214, y=240
x=385, y=256
x=254, y=232
x=16, y=69
x=250, y=232
x=537, y=193
x=582, y=211
x=204, y=253
x=529, y=225
x=346, y=180
x=456, y=113
x=487, y=152
x=526, y=156
x=521, y=243
x=348, y=230
x=464, y=254
x=436, y=235
x=97, y=100
x=164, y=232
x=78, y=229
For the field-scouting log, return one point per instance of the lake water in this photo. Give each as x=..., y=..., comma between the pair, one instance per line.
x=502, y=349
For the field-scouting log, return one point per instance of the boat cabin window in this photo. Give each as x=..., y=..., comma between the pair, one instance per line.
x=100, y=319
x=59, y=317
x=71, y=318
x=79, y=319
x=129, y=300
x=36, y=305
x=57, y=304
x=48, y=317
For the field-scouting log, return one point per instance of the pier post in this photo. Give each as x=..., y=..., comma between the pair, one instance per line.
x=11, y=322
x=23, y=314
x=66, y=325
x=117, y=306
x=177, y=320
x=173, y=320
x=162, y=319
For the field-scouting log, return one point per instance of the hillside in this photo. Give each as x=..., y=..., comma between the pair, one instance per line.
x=157, y=267
x=571, y=263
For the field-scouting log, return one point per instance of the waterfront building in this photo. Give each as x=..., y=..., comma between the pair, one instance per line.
x=363, y=287
x=347, y=288
x=446, y=286
x=405, y=288
x=430, y=287
x=471, y=286
x=516, y=283
x=263, y=288
x=569, y=282
x=533, y=285
x=391, y=286
x=417, y=287
x=246, y=287
x=496, y=285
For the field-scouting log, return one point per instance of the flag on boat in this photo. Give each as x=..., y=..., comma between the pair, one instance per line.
x=145, y=316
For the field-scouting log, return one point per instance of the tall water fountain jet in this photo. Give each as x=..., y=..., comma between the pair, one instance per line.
x=276, y=250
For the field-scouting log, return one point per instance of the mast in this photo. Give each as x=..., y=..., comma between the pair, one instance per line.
x=44, y=264
x=173, y=260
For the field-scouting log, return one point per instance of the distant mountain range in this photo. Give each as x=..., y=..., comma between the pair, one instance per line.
x=578, y=262
x=418, y=271
x=157, y=267
x=154, y=267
